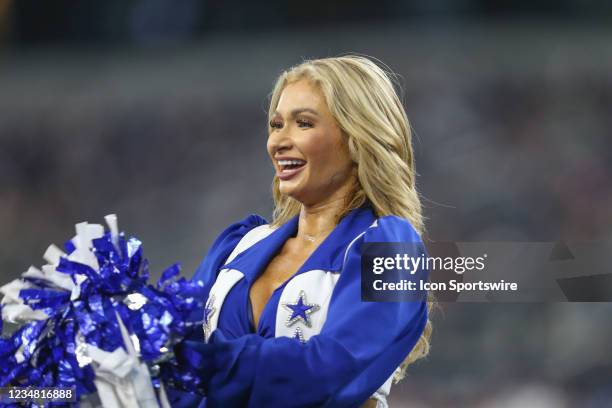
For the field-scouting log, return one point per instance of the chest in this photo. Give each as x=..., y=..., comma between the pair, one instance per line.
x=281, y=268
x=281, y=280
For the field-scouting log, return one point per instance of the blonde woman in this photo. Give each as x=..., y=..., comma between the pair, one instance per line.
x=284, y=323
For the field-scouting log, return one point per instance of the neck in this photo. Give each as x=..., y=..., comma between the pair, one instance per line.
x=318, y=220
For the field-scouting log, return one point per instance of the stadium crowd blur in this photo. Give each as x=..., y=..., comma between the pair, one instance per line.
x=156, y=110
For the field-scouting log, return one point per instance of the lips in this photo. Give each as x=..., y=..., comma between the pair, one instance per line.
x=289, y=167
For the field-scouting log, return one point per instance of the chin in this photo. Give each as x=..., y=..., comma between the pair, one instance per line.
x=292, y=192
x=286, y=190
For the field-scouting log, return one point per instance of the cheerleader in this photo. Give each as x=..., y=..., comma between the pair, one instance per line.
x=284, y=322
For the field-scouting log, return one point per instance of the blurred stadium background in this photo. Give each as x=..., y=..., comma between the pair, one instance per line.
x=155, y=110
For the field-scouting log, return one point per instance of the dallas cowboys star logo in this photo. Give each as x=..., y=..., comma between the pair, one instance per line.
x=209, y=311
x=300, y=310
x=299, y=335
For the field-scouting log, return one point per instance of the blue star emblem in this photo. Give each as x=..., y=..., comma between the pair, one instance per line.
x=209, y=311
x=300, y=310
x=299, y=335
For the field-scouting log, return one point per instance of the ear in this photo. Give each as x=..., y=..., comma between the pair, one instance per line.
x=352, y=148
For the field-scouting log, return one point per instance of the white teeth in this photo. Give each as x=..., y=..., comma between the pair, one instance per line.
x=290, y=162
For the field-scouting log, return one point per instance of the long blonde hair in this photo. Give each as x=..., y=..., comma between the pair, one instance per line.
x=361, y=97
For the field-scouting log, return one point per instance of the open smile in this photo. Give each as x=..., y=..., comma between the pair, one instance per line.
x=288, y=168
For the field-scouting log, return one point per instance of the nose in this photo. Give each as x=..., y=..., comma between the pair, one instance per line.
x=279, y=140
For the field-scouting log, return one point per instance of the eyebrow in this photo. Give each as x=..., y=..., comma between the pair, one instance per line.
x=297, y=111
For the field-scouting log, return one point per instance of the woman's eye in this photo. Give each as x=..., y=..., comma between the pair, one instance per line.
x=304, y=123
x=275, y=124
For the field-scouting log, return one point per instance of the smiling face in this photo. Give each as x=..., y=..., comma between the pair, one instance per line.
x=307, y=147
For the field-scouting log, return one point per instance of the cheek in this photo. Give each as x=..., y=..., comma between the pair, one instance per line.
x=322, y=158
x=329, y=157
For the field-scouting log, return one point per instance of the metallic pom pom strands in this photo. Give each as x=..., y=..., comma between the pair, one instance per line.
x=90, y=320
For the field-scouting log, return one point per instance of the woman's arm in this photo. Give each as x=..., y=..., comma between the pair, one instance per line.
x=206, y=272
x=222, y=248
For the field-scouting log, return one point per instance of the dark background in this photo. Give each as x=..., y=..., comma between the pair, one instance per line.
x=155, y=110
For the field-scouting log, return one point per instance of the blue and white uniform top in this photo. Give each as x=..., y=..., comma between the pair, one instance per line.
x=316, y=343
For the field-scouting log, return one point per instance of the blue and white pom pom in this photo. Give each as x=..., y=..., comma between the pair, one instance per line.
x=89, y=319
